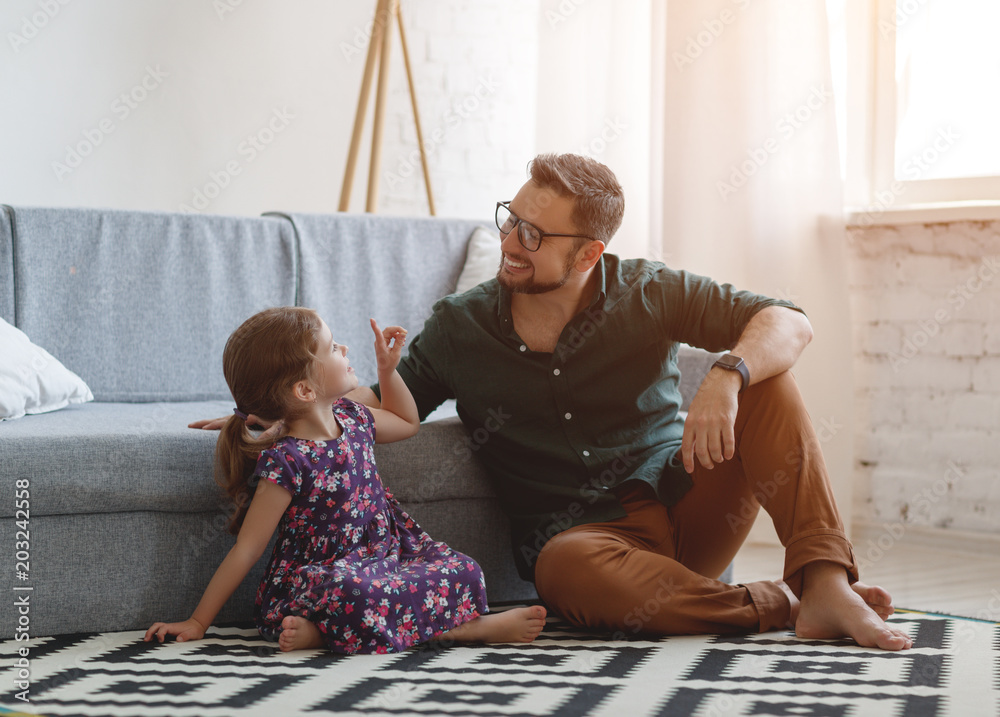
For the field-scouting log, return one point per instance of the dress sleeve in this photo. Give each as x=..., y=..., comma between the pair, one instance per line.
x=702, y=313
x=278, y=466
x=361, y=415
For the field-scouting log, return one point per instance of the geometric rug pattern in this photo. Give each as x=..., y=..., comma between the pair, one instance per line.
x=952, y=669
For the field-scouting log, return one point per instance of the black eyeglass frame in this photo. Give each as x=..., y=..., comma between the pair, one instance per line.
x=518, y=223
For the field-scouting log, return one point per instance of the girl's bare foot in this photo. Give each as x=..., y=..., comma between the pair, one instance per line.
x=520, y=624
x=297, y=633
x=832, y=609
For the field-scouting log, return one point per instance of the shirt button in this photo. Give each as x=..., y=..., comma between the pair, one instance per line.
x=586, y=454
x=523, y=347
x=555, y=372
x=568, y=416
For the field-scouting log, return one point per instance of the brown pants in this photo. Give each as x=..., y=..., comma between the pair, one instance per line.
x=655, y=569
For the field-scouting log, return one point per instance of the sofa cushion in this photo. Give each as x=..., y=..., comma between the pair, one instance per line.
x=140, y=304
x=693, y=364
x=358, y=266
x=482, y=259
x=112, y=457
x=6, y=267
x=119, y=457
x=437, y=464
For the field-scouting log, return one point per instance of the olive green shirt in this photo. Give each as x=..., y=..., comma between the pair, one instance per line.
x=557, y=431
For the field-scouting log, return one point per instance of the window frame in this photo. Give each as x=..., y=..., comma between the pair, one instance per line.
x=871, y=126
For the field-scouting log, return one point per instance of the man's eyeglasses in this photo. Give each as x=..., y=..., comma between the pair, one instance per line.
x=529, y=235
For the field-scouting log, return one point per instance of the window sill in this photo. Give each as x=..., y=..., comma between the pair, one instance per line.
x=943, y=213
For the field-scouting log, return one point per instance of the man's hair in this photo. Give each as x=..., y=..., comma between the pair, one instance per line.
x=598, y=200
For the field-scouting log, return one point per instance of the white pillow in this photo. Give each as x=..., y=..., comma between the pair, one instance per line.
x=31, y=380
x=482, y=259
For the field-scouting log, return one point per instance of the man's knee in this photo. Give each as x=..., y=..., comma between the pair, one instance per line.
x=562, y=560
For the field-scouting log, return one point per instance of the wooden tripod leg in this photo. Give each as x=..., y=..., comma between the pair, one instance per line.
x=416, y=114
x=374, y=45
x=379, y=120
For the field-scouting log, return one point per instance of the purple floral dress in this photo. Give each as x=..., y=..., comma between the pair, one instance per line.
x=349, y=558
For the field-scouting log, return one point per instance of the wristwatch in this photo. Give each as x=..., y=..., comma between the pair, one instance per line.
x=734, y=363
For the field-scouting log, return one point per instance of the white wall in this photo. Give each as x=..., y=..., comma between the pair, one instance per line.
x=926, y=307
x=259, y=97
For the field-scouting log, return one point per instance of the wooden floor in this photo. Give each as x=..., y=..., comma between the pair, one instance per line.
x=917, y=576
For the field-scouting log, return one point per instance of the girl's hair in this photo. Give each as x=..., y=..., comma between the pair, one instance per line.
x=598, y=199
x=263, y=359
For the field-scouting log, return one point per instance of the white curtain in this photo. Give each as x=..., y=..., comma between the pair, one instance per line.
x=746, y=181
x=594, y=98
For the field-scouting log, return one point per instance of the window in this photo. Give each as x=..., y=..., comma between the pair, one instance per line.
x=923, y=111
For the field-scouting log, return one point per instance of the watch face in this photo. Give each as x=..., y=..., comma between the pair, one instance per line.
x=730, y=361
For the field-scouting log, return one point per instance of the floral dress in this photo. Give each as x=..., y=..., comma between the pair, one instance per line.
x=349, y=558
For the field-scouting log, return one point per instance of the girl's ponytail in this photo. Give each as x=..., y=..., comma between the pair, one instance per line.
x=236, y=454
x=263, y=359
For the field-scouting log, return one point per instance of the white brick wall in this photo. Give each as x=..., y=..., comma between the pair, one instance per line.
x=474, y=66
x=926, y=310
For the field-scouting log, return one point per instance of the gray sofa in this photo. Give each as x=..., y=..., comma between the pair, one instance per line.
x=126, y=522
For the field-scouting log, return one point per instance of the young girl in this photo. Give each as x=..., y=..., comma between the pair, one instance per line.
x=350, y=569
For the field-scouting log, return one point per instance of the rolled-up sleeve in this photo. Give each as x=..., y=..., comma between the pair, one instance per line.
x=703, y=313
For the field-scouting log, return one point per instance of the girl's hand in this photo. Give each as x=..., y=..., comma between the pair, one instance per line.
x=388, y=356
x=188, y=630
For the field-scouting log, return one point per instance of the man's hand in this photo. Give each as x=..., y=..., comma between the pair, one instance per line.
x=271, y=429
x=210, y=424
x=708, y=428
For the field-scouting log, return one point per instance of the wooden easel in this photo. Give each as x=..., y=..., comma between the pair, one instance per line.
x=385, y=11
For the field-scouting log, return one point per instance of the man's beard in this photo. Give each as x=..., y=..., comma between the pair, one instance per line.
x=529, y=285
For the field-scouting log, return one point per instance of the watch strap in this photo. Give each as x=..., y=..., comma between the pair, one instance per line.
x=740, y=366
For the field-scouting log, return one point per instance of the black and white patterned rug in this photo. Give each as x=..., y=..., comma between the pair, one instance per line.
x=952, y=669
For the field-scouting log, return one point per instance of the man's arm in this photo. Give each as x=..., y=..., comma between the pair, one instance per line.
x=771, y=343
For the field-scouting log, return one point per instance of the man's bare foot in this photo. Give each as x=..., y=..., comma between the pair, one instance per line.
x=520, y=624
x=875, y=597
x=831, y=609
x=297, y=633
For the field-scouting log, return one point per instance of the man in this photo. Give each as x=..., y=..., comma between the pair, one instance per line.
x=616, y=503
